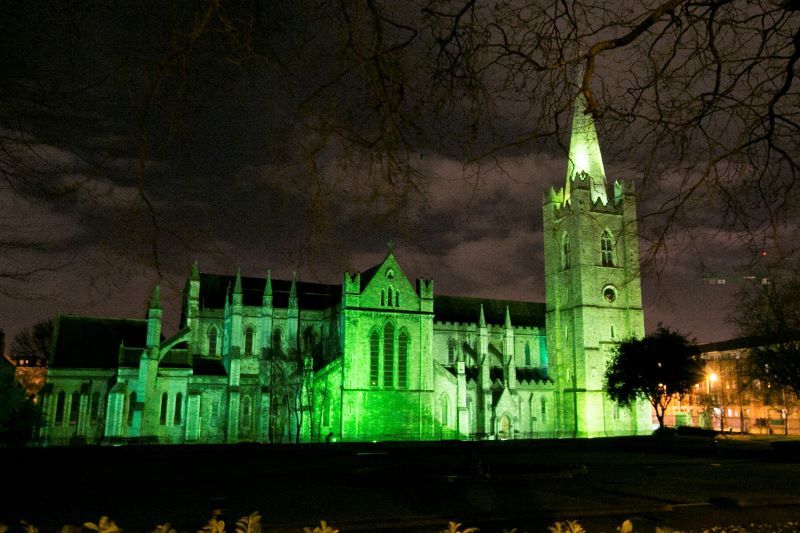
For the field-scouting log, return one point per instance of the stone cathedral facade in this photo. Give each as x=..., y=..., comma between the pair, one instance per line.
x=379, y=356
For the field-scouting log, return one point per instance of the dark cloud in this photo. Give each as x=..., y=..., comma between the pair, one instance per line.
x=274, y=153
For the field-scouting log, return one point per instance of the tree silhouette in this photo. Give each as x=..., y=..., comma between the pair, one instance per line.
x=656, y=368
x=18, y=414
x=34, y=343
x=770, y=313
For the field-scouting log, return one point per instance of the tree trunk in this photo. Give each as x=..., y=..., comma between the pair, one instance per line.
x=659, y=415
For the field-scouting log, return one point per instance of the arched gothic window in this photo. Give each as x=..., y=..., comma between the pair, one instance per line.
x=74, y=408
x=565, y=255
x=389, y=300
x=374, y=357
x=60, y=401
x=248, y=341
x=607, y=249
x=176, y=419
x=451, y=351
x=246, y=411
x=212, y=341
x=131, y=406
x=544, y=409
x=543, y=358
x=94, y=409
x=397, y=299
x=388, y=355
x=445, y=406
x=402, y=360
x=532, y=408
x=163, y=415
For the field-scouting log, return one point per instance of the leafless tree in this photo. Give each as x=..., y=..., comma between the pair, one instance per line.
x=770, y=313
x=782, y=400
x=34, y=342
x=703, y=90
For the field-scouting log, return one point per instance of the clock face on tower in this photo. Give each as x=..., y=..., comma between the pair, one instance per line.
x=609, y=293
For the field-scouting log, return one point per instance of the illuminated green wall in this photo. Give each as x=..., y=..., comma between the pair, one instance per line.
x=592, y=287
x=389, y=396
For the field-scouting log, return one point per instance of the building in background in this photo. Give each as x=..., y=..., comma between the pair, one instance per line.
x=379, y=356
x=30, y=373
x=730, y=399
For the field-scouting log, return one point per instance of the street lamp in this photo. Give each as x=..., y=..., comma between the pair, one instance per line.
x=711, y=377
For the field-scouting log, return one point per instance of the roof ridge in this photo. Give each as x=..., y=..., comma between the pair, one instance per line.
x=106, y=318
x=488, y=299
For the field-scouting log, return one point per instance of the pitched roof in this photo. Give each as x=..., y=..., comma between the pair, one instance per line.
x=747, y=342
x=87, y=342
x=208, y=366
x=369, y=273
x=130, y=357
x=176, y=358
x=317, y=296
x=533, y=374
x=467, y=310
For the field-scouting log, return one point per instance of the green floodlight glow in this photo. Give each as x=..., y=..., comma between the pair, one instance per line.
x=584, y=153
x=395, y=366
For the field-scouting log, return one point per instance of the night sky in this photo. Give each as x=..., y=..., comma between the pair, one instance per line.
x=137, y=140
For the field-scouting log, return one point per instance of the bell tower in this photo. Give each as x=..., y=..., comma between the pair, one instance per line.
x=592, y=287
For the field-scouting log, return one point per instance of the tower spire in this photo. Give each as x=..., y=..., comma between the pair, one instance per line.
x=237, y=288
x=584, y=149
x=155, y=298
x=268, y=288
x=482, y=319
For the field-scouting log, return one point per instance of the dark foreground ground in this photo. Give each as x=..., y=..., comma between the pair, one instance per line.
x=677, y=482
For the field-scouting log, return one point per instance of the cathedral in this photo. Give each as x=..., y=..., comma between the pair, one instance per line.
x=377, y=357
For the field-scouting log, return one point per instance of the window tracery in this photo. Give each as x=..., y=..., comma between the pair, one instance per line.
x=388, y=357
x=607, y=249
x=374, y=356
x=402, y=360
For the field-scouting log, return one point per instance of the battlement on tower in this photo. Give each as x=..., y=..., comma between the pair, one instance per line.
x=623, y=189
x=553, y=196
x=580, y=197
